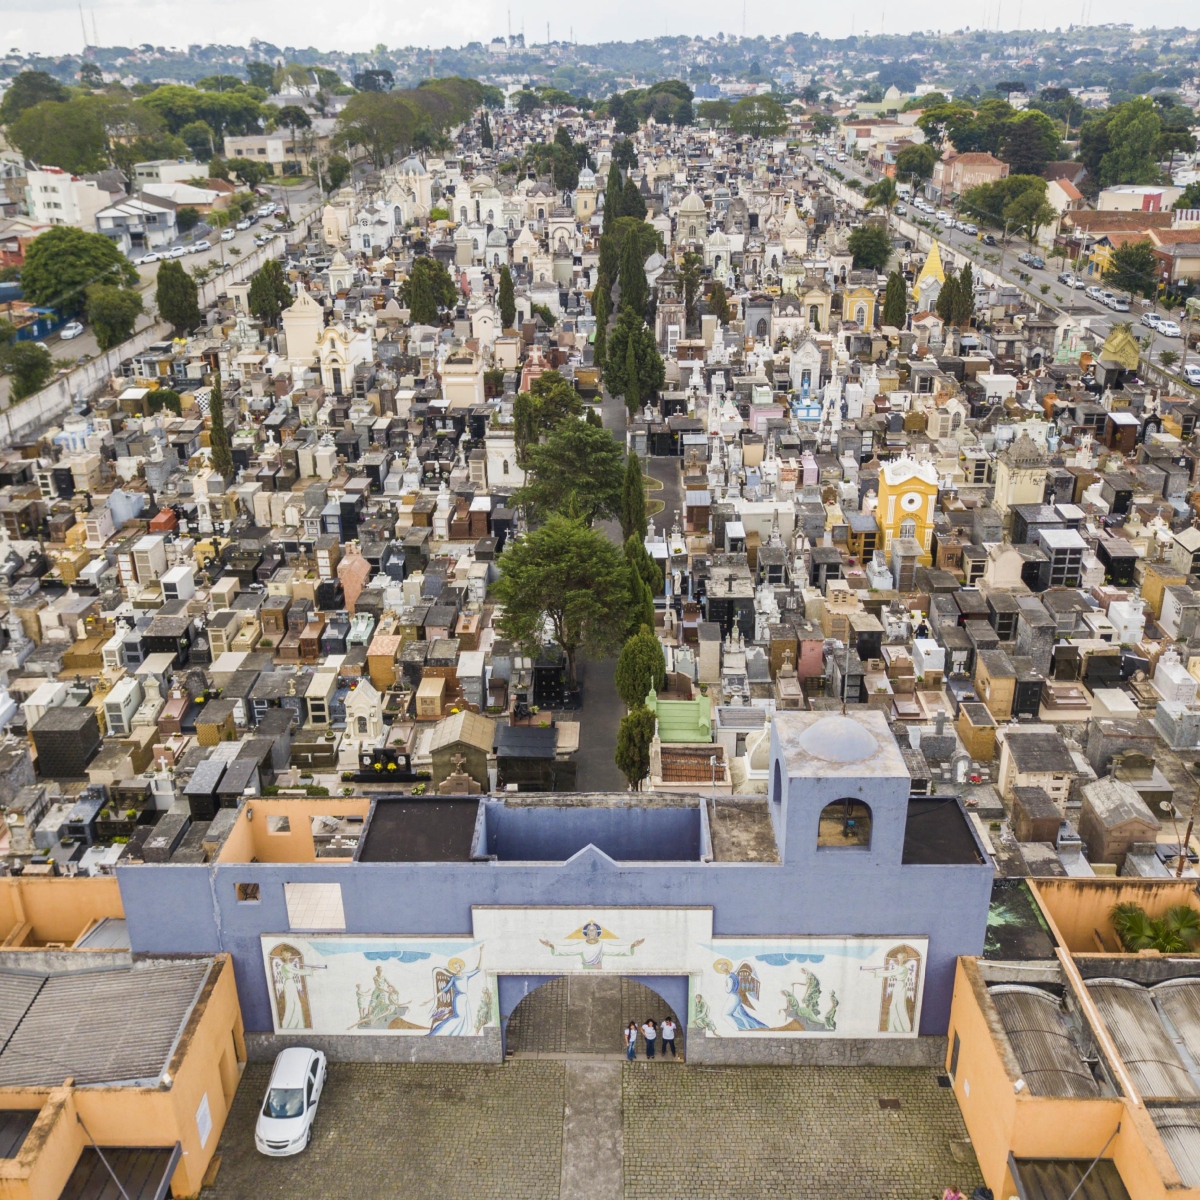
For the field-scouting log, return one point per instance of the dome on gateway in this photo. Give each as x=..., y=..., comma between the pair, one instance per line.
x=839, y=740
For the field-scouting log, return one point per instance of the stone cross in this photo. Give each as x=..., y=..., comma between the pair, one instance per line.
x=459, y=760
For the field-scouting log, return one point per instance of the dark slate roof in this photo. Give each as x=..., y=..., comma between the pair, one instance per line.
x=115, y=1025
x=526, y=741
x=1039, y=752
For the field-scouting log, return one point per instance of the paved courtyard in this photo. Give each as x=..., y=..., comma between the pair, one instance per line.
x=565, y=1130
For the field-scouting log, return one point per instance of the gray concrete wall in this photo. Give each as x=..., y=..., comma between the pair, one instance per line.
x=486, y=1048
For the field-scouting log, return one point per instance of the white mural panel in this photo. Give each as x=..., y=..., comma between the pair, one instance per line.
x=739, y=987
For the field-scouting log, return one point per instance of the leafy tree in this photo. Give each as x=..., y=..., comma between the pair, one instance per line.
x=261, y=75
x=218, y=436
x=551, y=399
x=1029, y=142
x=640, y=562
x=176, y=297
x=624, y=228
x=166, y=398
x=113, y=313
x=374, y=81
x=718, y=112
x=947, y=298
x=70, y=135
x=633, y=499
x=718, y=303
x=337, y=171
x=1167, y=359
x=641, y=606
x=200, y=139
x=30, y=367
x=624, y=155
x=634, y=735
x=612, y=197
x=506, y=302
x=634, y=290
x=576, y=472
x=485, y=133
x=1018, y=201
x=895, y=301
x=758, y=116
x=187, y=218
x=63, y=262
x=689, y=276
x=1132, y=129
x=428, y=289
x=1133, y=268
x=632, y=204
x=823, y=124
x=871, y=246
x=218, y=168
x=29, y=88
x=269, y=293
x=964, y=301
x=571, y=576
x=625, y=118
x=916, y=161
x=292, y=117
x=634, y=367
x=250, y=171
x=1190, y=197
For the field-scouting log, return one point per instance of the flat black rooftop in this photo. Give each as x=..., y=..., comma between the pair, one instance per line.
x=439, y=829
x=1016, y=929
x=937, y=833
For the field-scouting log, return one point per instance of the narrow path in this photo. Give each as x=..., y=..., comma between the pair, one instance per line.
x=593, y=1141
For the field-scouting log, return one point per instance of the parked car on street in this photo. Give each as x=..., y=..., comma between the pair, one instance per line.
x=244, y=223
x=1152, y=319
x=146, y=259
x=200, y=246
x=989, y=239
x=177, y=252
x=72, y=329
x=1169, y=329
x=285, y=1120
x=227, y=235
x=1191, y=373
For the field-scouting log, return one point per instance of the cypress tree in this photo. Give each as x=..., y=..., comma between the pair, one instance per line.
x=634, y=735
x=718, y=303
x=895, y=301
x=946, y=299
x=640, y=667
x=176, y=297
x=218, y=436
x=964, y=298
x=422, y=308
x=485, y=133
x=612, y=196
x=633, y=277
x=506, y=301
x=633, y=500
x=601, y=303
x=632, y=204
x=632, y=390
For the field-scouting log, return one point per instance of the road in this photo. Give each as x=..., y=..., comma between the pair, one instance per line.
x=1003, y=261
x=299, y=200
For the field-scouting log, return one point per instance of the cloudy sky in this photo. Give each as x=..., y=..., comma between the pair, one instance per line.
x=52, y=26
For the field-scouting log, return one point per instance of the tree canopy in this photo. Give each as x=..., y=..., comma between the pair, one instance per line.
x=428, y=289
x=576, y=472
x=758, y=116
x=62, y=263
x=634, y=368
x=269, y=293
x=572, y=577
x=551, y=399
x=176, y=297
x=641, y=667
x=1133, y=268
x=113, y=313
x=870, y=246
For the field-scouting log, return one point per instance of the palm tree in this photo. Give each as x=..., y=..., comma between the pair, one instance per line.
x=883, y=195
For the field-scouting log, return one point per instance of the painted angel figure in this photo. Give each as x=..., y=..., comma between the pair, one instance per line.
x=741, y=990
x=451, y=1015
x=900, y=992
x=289, y=974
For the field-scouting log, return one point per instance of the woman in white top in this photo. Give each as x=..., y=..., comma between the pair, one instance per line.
x=650, y=1033
x=667, y=1030
x=631, y=1033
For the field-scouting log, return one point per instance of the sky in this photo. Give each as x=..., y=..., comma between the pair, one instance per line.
x=53, y=26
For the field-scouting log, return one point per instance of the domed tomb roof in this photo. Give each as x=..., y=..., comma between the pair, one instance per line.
x=839, y=740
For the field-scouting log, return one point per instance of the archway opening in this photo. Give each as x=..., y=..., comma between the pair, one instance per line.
x=844, y=824
x=586, y=1014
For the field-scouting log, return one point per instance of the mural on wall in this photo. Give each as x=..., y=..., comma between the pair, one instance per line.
x=739, y=987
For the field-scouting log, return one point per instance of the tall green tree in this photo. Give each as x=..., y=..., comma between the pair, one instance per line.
x=113, y=313
x=964, y=301
x=1132, y=132
x=635, y=368
x=895, y=301
x=916, y=161
x=485, y=133
x=633, y=499
x=571, y=576
x=176, y=297
x=1030, y=141
x=27, y=89
x=550, y=401
x=612, y=197
x=883, y=195
x=758, y=116
x=947, y=300
x=428, y=289
x=337, y=171
x=576, y=472
x=1133, y=268
x=632, y=204
x=718, y=303
x=634, y=735
x=218, y=436
x=30, y=367
x=505, y=300
x=62, y=263
x=634, y=290
x=600, y=308
x=70, y=135
x=689, y=276
x=640, y=562
x=269, y=293
x=870, y=246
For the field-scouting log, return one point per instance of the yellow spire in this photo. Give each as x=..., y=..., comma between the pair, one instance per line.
x=931, y=270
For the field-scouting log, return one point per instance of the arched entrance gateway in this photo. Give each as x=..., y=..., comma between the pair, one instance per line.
x=585, y=1015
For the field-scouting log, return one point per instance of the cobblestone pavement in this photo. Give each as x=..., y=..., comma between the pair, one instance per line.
x=805, y=1133
x=420, y=1132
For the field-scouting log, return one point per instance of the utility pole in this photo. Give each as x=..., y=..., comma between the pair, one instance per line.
x=83, y=26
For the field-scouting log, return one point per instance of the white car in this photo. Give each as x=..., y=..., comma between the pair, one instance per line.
x=177, y=252
x=146, y=259
x=1152, y=319
x=1192, y=374
x=227, y=235
x=969, y=228
x=244, y=223
x=1094, y=292
x=1169, y=329
x=200, y=246
x=72, y=329
x=285, y=1120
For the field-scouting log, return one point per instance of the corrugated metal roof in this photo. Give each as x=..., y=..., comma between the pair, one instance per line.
x=1058, y=1179
x=1142, y=1042
x=1041, y=1038
x=1179, y=1129
x=104, y=1026
x=17, y=990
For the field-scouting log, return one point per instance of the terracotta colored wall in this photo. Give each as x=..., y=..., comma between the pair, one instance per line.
x=1079, y=908
x=251, y=836
x=58, y=909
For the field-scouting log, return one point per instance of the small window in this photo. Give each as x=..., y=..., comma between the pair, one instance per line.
x=247, y=893
x=279, y=825
x=314, y=905
x=908, y=528
x=504, y=467
x=844, y=824
x=954, y=1056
